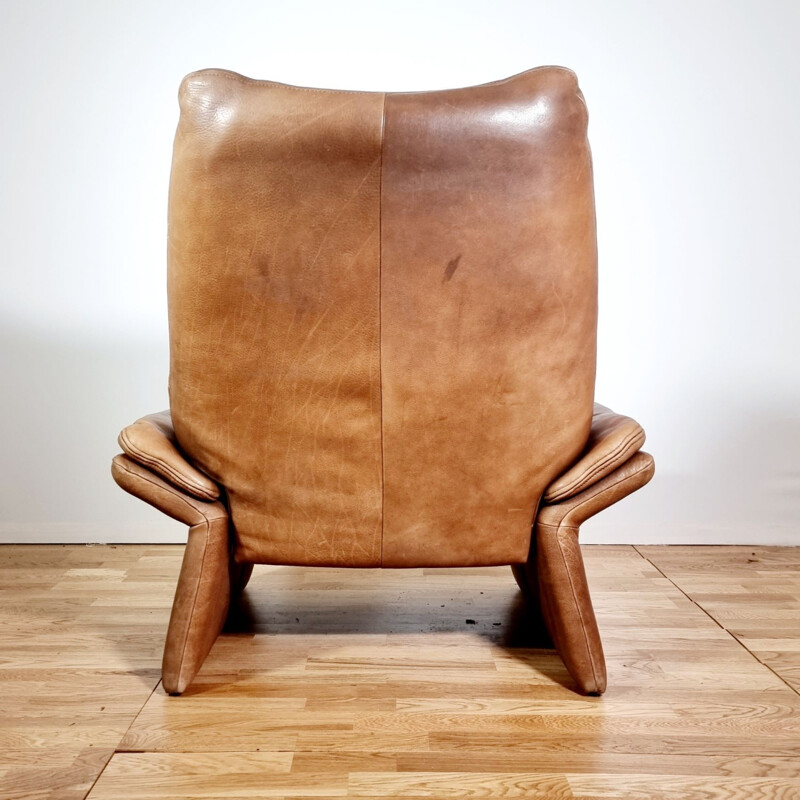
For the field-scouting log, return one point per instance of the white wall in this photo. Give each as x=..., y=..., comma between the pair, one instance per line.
x=694, y=126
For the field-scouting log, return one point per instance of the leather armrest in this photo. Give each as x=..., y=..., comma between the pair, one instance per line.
x=613, y=439
x=151, y=442
x=165, y=496
x=575, y=510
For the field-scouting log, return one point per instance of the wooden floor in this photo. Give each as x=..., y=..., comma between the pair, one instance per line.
x=419, y=683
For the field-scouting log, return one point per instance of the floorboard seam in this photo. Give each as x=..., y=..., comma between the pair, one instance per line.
x=116, y=749
x=716, y=621
x=97, y=777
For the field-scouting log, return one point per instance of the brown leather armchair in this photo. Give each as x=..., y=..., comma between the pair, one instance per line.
x=383, y=315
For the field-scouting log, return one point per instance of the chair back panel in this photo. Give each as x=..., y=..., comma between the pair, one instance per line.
x=382, y=312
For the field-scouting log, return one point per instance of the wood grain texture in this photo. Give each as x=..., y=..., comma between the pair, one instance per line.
x=81, y=631
x=417, y=683
x=752, y=592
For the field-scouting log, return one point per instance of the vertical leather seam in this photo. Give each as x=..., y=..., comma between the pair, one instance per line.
x=380, y=321
x=578, y=606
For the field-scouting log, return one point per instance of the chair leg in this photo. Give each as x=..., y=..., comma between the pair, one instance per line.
x=521, y=577
x=240, y=577
x=567, y=606
x=201, y=604
x=528, y=582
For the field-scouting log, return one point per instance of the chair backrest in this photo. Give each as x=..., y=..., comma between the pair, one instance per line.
x=383, y=312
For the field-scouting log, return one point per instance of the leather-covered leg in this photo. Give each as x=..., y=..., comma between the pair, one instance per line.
x=563, y=589
x=567, y=606
x=240, y=576
x=528, y=581
x=202, y=597
x=521, y=577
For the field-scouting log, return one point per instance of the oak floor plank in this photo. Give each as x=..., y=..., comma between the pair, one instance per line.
x=459, y=784
x=52, y=773
x=685, y=787
x=143, y=776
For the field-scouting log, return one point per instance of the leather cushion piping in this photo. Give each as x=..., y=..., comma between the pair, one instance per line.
x=161, y=467
x=603, y=456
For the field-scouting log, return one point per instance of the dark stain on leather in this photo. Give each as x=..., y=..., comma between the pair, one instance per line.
x=452, y=266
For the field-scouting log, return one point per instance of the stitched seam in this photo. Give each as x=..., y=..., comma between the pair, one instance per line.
x=380, y=324
x=183, y=482
x=607, y=488
x=587, y=477
x=616, y=483
x=612, y=456
x=168, y=488
x=580, y=613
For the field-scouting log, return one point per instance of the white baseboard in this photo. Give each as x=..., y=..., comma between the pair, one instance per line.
x=75, y=533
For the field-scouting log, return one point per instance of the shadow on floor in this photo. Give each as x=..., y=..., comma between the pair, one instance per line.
x=286, y=601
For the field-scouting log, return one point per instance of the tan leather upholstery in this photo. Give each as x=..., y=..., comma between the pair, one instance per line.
x=488, y=318
x=613, y=439
x=274, y=289
x=151, y=442
x=564, y=591
x=207, y=576
x=383, y=314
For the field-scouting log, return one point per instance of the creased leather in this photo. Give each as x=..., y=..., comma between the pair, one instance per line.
x=273, y=284
x=488, y=312
x=613, y=439
x=151, y=441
